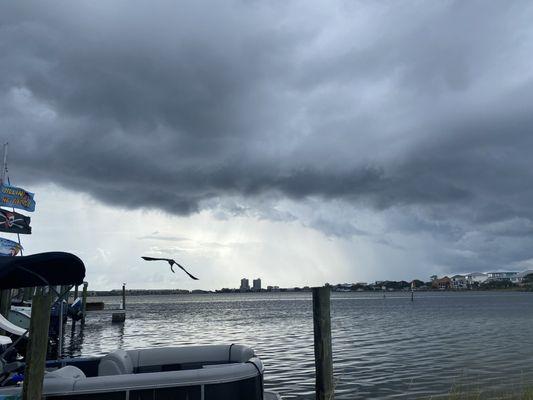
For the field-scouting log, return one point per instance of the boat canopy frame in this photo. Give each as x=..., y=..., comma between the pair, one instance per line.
x=43, y=269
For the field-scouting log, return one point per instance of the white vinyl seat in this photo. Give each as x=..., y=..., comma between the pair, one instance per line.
x=68, y=372
x=115, y=363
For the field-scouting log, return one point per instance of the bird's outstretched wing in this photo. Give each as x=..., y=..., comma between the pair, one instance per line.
x=171, y=262
x=156, y=259
x=184, y=270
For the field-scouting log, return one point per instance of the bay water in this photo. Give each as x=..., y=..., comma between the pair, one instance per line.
x=383, y=347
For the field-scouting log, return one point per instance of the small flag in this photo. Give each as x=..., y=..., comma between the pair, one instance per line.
x=9, y=247
x=13, y=222
x=11, y=196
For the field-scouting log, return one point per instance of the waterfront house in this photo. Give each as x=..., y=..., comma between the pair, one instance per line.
x=442, y=283
x=525, y=275
x=343, y=287
x=503, y=276
x=459, y=282
x=476, y=278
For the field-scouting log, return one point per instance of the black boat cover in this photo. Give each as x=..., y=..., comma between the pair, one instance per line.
x=43, y=269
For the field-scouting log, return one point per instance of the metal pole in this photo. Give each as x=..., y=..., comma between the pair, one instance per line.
x=4, y=172
x=4, y=164
x=324, y=389
x=60, y=330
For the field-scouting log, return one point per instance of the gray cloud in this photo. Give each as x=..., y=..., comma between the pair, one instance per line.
x=181, y=106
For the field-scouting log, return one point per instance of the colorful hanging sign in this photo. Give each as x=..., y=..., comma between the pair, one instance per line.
x=11, y=196
x=13, y=222
x=9, y=247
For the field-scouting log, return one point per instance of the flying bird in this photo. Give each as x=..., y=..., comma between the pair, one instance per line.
x=171, y=262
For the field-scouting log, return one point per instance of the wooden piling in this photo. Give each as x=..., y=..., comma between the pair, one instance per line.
x=27, y=293
x=5, y=302
x=324, y=389
x=123, y=296
x=84, y=302
x=37, y=345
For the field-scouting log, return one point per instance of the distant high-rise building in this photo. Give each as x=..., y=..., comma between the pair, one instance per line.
x=257, y=285
x=245, y=284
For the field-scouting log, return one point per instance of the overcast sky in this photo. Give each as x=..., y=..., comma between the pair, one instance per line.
x=301, y=142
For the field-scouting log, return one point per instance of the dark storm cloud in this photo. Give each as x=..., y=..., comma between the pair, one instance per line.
x=181, y=105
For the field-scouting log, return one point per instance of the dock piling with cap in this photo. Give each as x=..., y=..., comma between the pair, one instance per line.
x=324, y=389
x=124, y=296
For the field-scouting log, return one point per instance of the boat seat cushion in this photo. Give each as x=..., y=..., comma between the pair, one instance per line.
x=115, y=363
x=68, y=372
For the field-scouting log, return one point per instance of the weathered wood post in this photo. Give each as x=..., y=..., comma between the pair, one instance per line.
x=37, y=345
x=84, y=302
x=123, y=296
x=323, y=354
x=5, y=304
x=27, y=293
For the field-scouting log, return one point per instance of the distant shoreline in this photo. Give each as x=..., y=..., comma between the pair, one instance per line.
x=174, y=292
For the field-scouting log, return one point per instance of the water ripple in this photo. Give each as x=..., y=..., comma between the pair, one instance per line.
x=388, y=348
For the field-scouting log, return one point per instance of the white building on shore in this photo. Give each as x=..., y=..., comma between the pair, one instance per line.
x=504, y=276
x=459, y=282
x=476, y=278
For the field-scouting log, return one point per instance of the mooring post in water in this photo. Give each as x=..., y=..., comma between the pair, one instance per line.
x=123, y=296
x=37, y=345
x=323, y=354
x=84, y=302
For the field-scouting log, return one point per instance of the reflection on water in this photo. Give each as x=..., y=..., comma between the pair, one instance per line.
x=383, y=348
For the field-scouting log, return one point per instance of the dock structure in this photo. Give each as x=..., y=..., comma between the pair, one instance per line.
x=120, y=315
x=99, y=307
x=324, y=388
